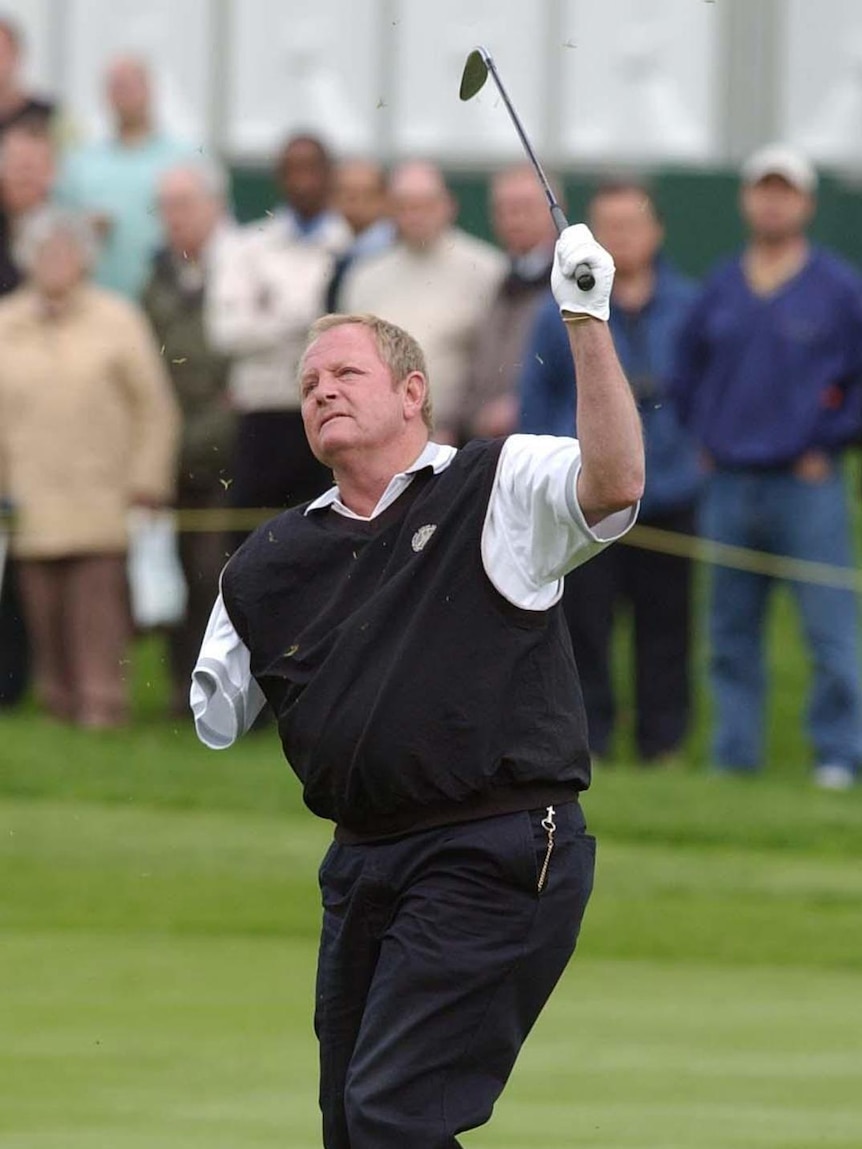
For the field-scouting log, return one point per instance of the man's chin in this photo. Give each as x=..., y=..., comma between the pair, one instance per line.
x=333, y=439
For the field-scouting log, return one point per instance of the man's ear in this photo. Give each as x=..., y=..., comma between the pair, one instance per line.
x=415, y=390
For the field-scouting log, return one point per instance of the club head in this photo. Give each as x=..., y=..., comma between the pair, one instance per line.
x=475, y=74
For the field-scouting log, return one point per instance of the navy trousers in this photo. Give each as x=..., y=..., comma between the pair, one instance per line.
x=658, y=589
x=437, y=955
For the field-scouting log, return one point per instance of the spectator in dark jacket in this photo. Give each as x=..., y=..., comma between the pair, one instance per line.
x=192, y=204
x=361, y=197
x=770, y=383
x=649, y=304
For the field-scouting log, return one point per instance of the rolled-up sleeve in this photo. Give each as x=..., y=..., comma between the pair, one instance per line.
x=535, y=531
x=225, y=698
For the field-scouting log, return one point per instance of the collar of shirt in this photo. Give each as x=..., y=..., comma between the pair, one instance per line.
x=74, y=304
x=534, y=263
x=434, y=455
x=376, y=237
x=301, y=227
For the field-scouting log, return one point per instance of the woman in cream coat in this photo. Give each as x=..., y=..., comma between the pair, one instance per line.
x=88, y=429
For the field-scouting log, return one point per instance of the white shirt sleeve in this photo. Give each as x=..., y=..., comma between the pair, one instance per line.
x=225, y=698
x=535, y=531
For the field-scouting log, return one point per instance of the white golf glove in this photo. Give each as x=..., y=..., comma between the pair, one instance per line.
x=574, y=247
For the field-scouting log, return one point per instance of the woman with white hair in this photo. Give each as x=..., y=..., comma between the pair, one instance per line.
x=88, y=429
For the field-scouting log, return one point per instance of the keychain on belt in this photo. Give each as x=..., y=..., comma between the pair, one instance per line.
x=550, y=826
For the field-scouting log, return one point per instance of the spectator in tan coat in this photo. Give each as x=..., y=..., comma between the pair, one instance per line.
x=88, y=429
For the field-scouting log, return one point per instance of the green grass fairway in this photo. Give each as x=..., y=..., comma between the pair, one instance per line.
x=125, y=1042
x=156, y=969
x=158, y=919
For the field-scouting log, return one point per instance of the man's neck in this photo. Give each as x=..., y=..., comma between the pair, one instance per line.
x=770, y=264
x=306, y=221
x=191, y=253
x=55, y=306
x=425, y=247
x=532, y=263
x=362, y=479
x=634, y=290
x=130, y=134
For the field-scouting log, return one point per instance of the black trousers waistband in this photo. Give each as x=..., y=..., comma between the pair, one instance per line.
x=487, y=805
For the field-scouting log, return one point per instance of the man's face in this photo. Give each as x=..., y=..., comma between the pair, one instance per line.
x=522, y=221
x=624, y=222
x=304, y=177
x=421, y=208
x=188, y=212
x=27, y=171
x=349, y=400
x=360, y=194
x=774, y=209
x=58, y=265
x=128, y=91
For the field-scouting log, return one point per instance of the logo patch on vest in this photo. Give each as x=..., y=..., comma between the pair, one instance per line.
x=422, y=536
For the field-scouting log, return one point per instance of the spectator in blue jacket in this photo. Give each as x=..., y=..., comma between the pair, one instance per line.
x=768, y=380
x=649, y=303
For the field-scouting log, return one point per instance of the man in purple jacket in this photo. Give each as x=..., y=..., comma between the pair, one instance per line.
x=769, y=380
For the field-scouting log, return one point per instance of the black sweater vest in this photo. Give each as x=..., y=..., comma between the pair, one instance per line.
x=408, y=691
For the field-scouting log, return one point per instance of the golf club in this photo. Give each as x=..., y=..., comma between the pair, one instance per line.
x=479, y=64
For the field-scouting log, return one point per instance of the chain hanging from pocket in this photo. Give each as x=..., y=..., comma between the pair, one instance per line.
x=550, y=827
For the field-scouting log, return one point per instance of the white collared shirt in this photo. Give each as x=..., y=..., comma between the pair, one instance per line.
x=534, y=534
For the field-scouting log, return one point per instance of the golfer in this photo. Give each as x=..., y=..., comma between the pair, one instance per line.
x=405, y=628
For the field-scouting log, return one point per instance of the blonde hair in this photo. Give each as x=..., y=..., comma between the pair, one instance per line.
x=396, y=347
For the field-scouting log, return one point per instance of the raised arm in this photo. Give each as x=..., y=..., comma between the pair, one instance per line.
x=609, y=429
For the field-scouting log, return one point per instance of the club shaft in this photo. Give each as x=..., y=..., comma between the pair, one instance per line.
x=583, y=274
x=528, y=147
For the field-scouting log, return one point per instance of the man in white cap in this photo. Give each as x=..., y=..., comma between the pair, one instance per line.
x=769, y=379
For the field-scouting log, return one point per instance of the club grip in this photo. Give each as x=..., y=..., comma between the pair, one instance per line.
x=583, y=276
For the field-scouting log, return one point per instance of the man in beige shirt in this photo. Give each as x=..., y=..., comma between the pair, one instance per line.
x=437, y=282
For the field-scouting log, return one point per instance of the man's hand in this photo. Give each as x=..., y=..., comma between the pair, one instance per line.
x=576, y=245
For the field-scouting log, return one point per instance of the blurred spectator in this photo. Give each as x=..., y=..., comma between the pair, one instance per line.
x=768, y=380
x=87, y=429
x=27, y=177
x=193, y=209
x=114, y=181
x=649, y=304
x=304, y=173
x=17, y=105
x=525, y=230
x=436, y=282
x=360, y=196
x=27, y=172
x=267, y=285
